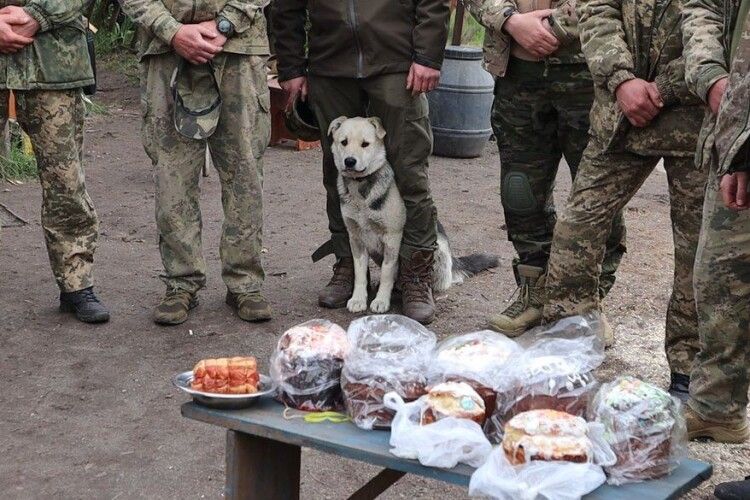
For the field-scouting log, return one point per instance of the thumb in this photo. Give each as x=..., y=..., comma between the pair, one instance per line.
x=655, y=95
x=14, y=17
x=543, y=13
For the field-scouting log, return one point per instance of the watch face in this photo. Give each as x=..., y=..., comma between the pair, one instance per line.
x=224, y=26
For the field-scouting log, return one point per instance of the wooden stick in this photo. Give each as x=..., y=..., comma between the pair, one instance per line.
x=458, y=25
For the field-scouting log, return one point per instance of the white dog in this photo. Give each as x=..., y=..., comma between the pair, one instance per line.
x=374, y=215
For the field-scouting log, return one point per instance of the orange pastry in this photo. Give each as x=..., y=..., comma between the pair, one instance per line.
x=226, y=376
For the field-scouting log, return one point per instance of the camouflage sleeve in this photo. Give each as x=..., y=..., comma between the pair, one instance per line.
x=288, y=19
x=705, y=58
x=154, y=17
x=491, y=14
x=672, y=85
x=431, y=32
x=241, y=13
x=53, y=13
x=604, y=44
x=564, y=22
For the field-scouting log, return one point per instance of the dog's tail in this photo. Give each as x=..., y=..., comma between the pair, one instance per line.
x=473, y=264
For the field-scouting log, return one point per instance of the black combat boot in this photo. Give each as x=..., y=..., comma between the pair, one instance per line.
x=733, y=490
x=415, y=283
x=85, y=305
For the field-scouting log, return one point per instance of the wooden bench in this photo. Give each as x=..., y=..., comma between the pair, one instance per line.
x=263, y=457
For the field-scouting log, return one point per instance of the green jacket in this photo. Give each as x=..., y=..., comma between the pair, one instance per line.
x=159, y=21
x=626, y=39
x=498, y=45
x=708, y=29
x=358, y=39
x=58, y=58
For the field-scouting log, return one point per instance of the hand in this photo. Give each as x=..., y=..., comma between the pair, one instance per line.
x=195, y=43
x=734, y=190
x=293, y=88
x=21, y=22
x=716, y=94
x=10, y=41
x=218, y=40
x=639, y=100
x=532, y=32
x=422, y=79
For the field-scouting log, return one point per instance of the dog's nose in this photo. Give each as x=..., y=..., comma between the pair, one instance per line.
x=350, y=162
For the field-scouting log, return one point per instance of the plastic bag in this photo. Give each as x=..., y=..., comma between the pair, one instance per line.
x=388, y=353
x=499, y=480
x=306, y=365
x=478, y=359
x=645, y=427
x=444, y=443
x=553, y=373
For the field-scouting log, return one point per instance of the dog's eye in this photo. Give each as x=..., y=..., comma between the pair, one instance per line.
x=344, y=142
x=365, y=144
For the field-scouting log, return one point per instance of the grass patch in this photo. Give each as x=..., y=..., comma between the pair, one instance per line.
x=17, y=166
x=473, y=34
x=93, y=107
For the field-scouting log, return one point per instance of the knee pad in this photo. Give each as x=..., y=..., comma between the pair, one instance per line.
x=516, y=194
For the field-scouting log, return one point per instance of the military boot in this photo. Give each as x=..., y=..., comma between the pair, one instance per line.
x=174, y=307
x=526, y=311
x=679, y=386
x=733, y=490
x=339, y=290
x=85, y=305
x=735, y=431
x=251, y=306
x=415, y=283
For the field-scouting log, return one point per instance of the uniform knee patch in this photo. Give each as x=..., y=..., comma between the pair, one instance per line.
x=516, y=194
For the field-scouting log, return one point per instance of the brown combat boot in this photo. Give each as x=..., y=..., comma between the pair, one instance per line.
x=339, y=290
x=174, y=307
x=732, y=431
x=415, y=283
x=526, y=311
x=251, y=306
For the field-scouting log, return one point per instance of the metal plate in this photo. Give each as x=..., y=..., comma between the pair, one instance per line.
x=224, y=401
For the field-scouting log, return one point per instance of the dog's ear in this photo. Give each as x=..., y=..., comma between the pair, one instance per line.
x=379, y=129
x=336, y=124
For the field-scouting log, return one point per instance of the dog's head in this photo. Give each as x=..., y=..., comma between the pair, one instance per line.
x=357, y=145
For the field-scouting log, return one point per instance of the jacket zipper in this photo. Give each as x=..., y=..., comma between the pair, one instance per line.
x=354, y=23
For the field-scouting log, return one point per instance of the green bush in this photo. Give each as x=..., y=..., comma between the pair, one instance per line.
x=17, y=165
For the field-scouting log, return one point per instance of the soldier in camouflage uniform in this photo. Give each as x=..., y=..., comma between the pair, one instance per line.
x=231, y=36
x=46, y=63
x=642, y=112
x=717, y=52
x=543, y=96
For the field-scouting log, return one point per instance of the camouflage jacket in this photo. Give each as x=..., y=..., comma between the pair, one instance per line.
x=708, y=29
x=159, y=21
x=498, y=45
x=626, y=39
x=58, y=58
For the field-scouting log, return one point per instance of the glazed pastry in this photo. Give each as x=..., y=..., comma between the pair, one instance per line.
x=453, y=399
x=226, y=376
x=307, y=365
x=546, y=435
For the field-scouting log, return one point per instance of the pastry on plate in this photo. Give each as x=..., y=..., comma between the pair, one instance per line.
x=238, y=375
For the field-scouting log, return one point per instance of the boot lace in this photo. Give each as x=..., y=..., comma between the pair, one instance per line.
x=521, y=303
x=87, y=296
x=340, y=275
x=177, y=296
x=415, y=285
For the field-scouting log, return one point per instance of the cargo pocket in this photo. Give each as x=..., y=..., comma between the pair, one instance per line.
x=417, y=136
x=262, y=132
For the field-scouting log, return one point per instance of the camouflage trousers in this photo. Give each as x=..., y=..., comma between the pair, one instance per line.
x=605, y=183
x=540, y=115
x=408, y=144
x=54, y=121
x=721, y=378
x=236, y=148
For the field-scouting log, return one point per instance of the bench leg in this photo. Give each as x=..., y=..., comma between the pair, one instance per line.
x=261, y=468
x=377, y=485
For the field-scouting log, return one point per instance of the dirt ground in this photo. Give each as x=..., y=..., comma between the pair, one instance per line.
x=89, y=412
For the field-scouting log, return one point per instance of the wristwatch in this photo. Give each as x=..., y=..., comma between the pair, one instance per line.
x=225, y=26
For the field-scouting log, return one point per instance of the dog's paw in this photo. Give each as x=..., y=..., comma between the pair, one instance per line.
x=356, y=305
x=380, y=305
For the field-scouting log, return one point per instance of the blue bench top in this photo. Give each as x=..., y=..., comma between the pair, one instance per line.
x=344, y=439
